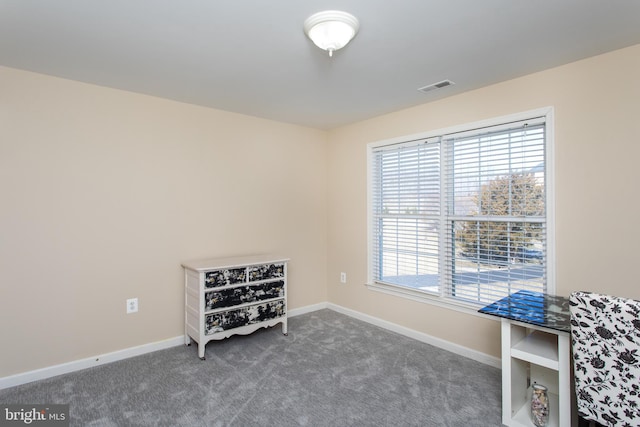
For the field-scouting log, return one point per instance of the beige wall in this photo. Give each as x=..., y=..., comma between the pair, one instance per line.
x=597, y=148
x=104, y=193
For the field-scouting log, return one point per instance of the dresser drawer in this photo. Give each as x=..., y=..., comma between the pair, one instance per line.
x=226, y=277
x=222, y=321
x=243, y=295
x=266, y=272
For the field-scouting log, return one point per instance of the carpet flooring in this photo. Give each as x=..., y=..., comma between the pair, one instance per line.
x=331, y=370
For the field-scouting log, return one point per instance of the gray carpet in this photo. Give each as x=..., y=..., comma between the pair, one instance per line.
x=331, y=370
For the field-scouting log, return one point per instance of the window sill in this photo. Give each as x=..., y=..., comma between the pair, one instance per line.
x=426, y=297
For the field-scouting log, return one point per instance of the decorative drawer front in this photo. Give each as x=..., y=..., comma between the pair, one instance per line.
x=230, y=276
x=218, y=322
x=243, y=295
x=265, y=272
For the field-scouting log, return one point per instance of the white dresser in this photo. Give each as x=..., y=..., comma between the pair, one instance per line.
x=228, y=296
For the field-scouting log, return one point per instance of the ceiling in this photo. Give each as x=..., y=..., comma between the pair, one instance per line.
x=252, y=56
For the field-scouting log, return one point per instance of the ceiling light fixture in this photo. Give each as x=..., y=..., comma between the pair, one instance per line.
x=331, y=30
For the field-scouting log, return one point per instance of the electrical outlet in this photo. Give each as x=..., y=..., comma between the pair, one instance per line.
x=132, y=305
x=343, y=277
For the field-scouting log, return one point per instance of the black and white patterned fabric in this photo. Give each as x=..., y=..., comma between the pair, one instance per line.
x=605, y=338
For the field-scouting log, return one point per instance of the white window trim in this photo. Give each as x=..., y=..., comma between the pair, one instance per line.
x=438, y=299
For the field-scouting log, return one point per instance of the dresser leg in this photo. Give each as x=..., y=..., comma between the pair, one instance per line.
x=201, y=351
x=284, y=328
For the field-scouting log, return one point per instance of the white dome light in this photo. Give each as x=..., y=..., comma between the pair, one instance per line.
x=331, y=30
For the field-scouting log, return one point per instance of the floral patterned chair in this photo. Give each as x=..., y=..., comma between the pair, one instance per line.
x=605, y=338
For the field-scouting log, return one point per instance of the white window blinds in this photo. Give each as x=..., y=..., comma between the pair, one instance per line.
x=462, y=216
x=407, y=207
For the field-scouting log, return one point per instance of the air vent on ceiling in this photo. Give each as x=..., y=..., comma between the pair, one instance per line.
x=435, y=86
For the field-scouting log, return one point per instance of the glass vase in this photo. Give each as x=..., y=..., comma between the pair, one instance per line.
x=539, y=405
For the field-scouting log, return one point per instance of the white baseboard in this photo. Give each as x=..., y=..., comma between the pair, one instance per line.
x=76, y=365
x=307, y=309
x=420, y=336
x=65, y=368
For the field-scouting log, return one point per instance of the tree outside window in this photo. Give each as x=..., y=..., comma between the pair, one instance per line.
x=515, y=195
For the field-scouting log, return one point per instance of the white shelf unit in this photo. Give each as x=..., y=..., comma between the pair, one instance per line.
x=532, y=354
x=229, y=296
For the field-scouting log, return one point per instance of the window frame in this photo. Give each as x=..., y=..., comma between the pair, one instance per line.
x=441, y=299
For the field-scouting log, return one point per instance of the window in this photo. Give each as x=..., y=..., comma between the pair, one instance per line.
x=462, y=216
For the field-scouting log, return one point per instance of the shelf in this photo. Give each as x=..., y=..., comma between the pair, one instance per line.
x=531, y=354
x=540, y=348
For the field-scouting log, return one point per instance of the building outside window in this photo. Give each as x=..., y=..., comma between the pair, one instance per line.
x=464, y=216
